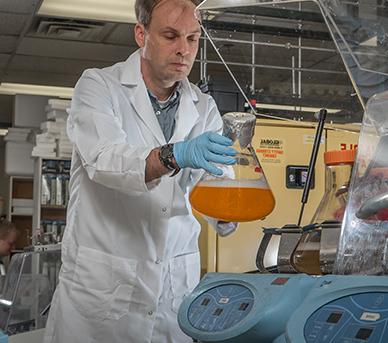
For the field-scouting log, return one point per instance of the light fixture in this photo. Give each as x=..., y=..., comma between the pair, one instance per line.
x=20, y=88
x=370, y=42
x=113, y=10
x=295, y=108
x=3, y=132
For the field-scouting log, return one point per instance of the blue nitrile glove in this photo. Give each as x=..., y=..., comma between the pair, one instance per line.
x=200, y=151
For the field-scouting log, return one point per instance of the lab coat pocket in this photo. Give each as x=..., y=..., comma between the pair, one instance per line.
x=102, y=284
x=184, y=274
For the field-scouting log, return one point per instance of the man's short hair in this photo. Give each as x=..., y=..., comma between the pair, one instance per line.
x=144, y=8
x=6, y=228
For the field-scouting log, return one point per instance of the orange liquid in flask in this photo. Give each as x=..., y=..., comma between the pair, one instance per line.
x=239, y=202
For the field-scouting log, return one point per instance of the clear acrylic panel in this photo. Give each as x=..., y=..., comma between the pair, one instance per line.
x=363, y=246
x=28, y=289
x=343, y=43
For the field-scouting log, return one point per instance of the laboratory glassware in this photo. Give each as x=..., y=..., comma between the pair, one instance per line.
x=307, y=255
x=242, y=193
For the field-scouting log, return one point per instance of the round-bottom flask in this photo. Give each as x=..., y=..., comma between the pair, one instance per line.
x=306, y=257
x=242, y=193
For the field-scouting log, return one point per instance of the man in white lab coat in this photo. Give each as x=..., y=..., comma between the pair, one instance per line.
x=142, y=136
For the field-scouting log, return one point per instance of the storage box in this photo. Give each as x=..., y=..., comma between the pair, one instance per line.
x=18, y=160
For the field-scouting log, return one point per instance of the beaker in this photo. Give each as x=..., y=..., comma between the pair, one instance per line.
x=242, y=193
x=307, y=255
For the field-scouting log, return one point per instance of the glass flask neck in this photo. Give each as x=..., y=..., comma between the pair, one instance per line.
x=334, y=199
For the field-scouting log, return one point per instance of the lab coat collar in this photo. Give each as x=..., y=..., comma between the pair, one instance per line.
x=187, y=114
x=131, y=77
x=130, y=73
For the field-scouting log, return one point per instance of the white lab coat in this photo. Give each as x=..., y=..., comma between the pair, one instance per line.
x=130, y=250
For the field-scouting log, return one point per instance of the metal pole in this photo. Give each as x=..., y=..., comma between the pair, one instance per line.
x=267, y=66
x=321, y=116
x=293, y=75
x=205, y=58
x=253, y=69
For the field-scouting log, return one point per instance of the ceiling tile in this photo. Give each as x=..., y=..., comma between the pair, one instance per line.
x=7, y=43
x=3, y=60
x=17, y=6
x=12, y=24
x=73, y=50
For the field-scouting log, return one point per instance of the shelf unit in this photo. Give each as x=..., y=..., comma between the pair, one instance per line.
x=21, y=187
x=50, y=193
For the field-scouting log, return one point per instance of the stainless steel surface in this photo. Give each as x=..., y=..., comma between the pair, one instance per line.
x=287, y=245
x=329, y=243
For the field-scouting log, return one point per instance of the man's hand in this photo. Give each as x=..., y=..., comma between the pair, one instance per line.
x=198, y=152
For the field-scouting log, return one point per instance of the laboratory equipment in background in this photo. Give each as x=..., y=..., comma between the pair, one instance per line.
x=278, y=145
x=242, y=193
x=55, y=182
x=281, y=146
x=285, y=308
x=28, y=289
x=316, y=249
x=297, y=308
x=51, y=196
x=290, y=234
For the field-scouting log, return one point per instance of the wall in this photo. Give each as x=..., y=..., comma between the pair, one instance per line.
x=6, y=108
x=4, y=179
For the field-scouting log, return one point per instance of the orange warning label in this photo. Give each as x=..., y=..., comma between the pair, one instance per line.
x=271, y=150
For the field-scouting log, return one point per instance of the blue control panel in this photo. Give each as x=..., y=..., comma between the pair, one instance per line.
x=220, y=307
x=358, y=318
x=281, y=308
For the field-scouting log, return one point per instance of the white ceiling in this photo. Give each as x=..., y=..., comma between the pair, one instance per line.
x=54, y=51
x=30, y=57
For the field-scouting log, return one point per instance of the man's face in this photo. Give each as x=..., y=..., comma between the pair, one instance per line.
x=170, y=43
x=7, y=244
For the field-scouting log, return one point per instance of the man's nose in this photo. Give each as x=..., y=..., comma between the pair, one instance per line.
x=182, y=47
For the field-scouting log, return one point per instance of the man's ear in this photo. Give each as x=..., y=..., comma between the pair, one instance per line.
x=140, y=35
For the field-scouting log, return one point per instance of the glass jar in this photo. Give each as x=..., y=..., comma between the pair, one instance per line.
x=306, y=257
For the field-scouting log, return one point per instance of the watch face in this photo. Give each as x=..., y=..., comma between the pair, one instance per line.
x=166, y=151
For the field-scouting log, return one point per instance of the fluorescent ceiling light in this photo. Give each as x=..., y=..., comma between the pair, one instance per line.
x=295, y=108
x=105, y=10
x=370, y=42
x=5, y=302
x=19, y=88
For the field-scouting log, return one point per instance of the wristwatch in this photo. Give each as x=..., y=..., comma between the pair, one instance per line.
x=166, y=156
